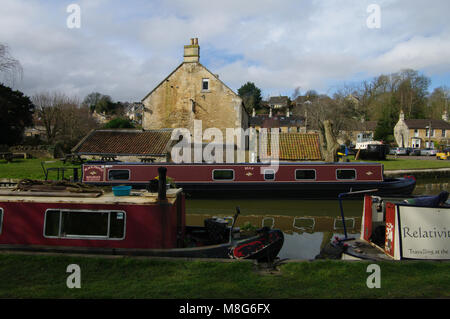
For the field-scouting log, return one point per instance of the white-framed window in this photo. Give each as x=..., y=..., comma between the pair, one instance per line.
x=205, y=84
x=269, y=175
x=443, y=132
x=345, y=174
x=84, y=224
x=119, y=174
x=305, y=174
x=223, y=174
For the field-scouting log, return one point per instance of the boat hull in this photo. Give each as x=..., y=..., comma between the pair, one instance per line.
x=262, y=247
x=324, y=190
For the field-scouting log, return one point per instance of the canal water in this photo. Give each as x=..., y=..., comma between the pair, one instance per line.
x=306, y=224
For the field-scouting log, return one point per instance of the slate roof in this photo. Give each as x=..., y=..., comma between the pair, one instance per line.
x=125, y=142
x=278, y=100
x=297, y=146
x=265, y=121
x=423, y=123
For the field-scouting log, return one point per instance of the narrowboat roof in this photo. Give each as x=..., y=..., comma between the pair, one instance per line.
x=137, y=197
x=234, y=164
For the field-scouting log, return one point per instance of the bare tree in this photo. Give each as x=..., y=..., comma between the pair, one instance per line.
x=10, y=67
x=62, y=116
x=331, y=117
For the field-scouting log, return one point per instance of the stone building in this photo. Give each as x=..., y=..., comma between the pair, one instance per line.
x=422, y=133
x=192, y=92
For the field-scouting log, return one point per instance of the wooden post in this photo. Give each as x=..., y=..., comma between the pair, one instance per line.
x=162, y=183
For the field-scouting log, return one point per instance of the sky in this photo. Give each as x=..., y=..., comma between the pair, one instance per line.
x=126, y=48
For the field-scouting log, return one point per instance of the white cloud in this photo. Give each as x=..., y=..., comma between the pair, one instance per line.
x=124, y=50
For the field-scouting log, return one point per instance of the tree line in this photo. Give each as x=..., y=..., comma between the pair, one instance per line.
x=379, y=99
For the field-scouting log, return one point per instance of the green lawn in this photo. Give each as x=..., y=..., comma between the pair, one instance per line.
x=407, y=163
x=35, y=276
x=29, y=168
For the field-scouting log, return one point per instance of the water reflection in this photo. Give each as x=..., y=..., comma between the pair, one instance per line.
x=307, y=224
x=288, y=224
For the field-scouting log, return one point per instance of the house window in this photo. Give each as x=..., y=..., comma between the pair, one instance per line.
x=119, y=174
x=223, y=174
x=84, y=224
x=416, y=133
x=443, y=133
x=1, y=220
x=345, y=174
x=305, y=174
x=269, y=175
x=205, y=84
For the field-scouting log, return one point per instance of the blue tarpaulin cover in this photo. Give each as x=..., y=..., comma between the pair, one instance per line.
x=429, y=201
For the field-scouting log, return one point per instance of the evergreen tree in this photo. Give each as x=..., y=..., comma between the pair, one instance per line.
x=251, y=96
x=16, y=113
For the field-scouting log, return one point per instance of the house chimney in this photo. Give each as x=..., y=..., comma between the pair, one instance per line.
x=192, y=51
x=287, y=113
x=445, y=116
x=270, y=113
x=402, y=115
x=253, y=113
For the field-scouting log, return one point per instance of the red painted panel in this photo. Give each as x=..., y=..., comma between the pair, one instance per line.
x=147, y=226
x=243, y=173
x=390, y=229
x=367, y=222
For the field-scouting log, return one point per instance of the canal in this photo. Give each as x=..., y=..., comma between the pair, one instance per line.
x=307, y=224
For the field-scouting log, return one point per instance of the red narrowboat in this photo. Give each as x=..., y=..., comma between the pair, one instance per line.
x=299, y=180
x=141, y=223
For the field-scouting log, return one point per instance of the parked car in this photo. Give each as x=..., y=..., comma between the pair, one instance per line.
x=428, y=152
x=398, y=151
x=414, y=152
x=444, y=154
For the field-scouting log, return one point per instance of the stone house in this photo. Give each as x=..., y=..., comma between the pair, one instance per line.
x=285, y=124
x=279, y=102
x=362, y=131
x=133, y=111
x=192, y=92
x=422, y=133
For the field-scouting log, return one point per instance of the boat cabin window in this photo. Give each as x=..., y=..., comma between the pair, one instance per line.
x=305, y=174
x=223, y=174
x=119, y=174
x=269, y=174
x=1, y=220
x=84, y=224
x=345, y=174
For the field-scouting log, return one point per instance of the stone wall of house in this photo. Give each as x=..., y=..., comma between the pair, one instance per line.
x=401, y=133
x=180, y=100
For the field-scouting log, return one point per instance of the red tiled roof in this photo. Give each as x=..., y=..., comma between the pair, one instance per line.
x=125, y=142
x=298, y=146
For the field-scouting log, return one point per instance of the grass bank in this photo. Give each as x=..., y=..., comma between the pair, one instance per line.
x=29, y=168
x=401, y=163
x=43, y=276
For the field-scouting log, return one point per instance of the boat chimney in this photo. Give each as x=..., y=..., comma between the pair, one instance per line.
x=162, y=183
